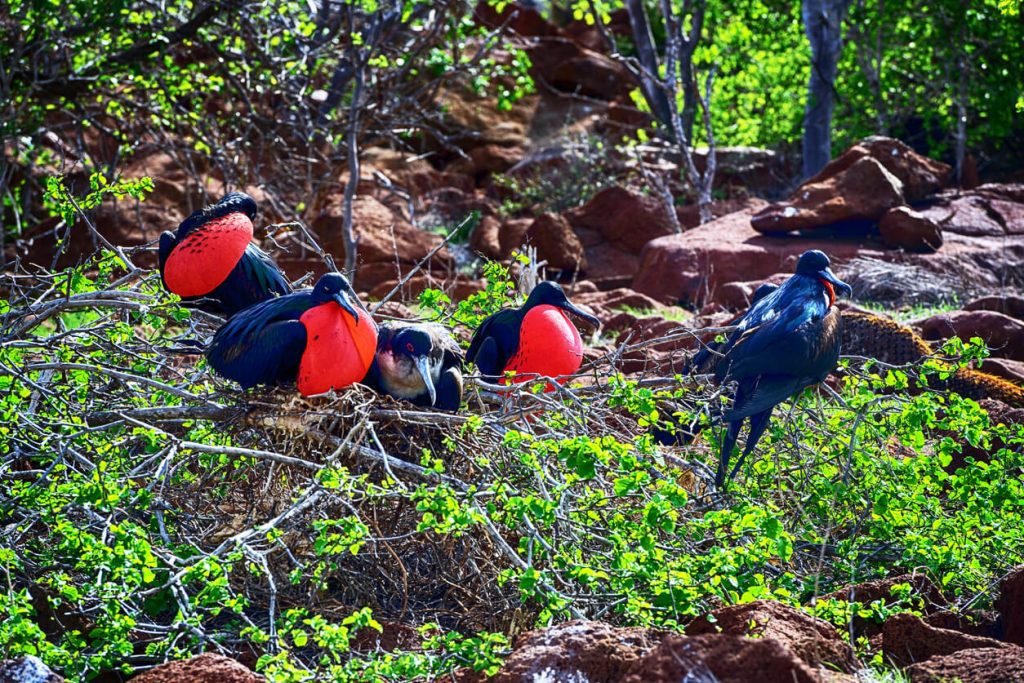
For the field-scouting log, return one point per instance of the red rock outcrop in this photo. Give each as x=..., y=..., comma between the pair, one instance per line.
x=985, y=665
x=906, y=639
x=563, y=64
x=989, y=210
x=1003, y=334
x=556, y=242
x=577, y=650
x=625, y=219
x=904, y=228
x=204, y=668
x=1008, y=304
x=727, y=659
x=881, y=590
x=863, y=192
x=919, y=175
x=814, y=641
x=1010, y=605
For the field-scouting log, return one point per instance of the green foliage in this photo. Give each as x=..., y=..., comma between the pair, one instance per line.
x=498, y=293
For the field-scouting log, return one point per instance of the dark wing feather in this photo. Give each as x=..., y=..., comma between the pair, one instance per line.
x=502, y=328
x=167, y=244
x=782, y=345
x=262, y=344
x=260, y=269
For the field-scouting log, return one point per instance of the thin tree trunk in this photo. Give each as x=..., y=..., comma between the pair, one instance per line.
x=822, y=23
x=352, y=143
x=656, y=98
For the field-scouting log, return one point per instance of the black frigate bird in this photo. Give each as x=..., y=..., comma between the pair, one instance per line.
x=418, y=362
x=788, y=340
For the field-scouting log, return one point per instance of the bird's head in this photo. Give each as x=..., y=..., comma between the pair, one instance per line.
x=552, y=294
x=407, y=352
x=335, y=287
x=230, y=204
x=815, y=263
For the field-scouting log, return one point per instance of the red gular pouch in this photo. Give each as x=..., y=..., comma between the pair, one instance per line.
x=549, y=345
x=206, y=256
x=338, y=352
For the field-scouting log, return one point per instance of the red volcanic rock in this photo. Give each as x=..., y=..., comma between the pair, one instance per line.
x=1012, y=370
x=484, y=239
x=490, y=158
x=862, y=192
x=204, y=668
x=985, y=665
x=1010, y=605
x=27, y=669
x=906, y=639
x=881, y=590
x=693, y=265
x=625, y=219
x=564, y=65
x=919, y=175
x=973, y=622
x=578, y=650
x=814, y=641
x=992, y=210
x=556, y=243
x=727, y=659
x=383, y=238
x=1008, y=304
x=904, y=228
x=512, y=235
x=689, y=215
x=1005, y=335
x=526, y=21
x=733, y=296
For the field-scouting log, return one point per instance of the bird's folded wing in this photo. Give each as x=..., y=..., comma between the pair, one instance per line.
x=258, y=267
x=782, y=345
x=262, y=356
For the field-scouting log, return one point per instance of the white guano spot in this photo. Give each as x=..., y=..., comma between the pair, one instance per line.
x=789, y=212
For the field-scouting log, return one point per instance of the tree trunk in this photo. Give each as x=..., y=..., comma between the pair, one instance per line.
x=656, y=98
x=823, y=21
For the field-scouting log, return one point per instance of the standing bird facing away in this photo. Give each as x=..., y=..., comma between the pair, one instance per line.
x=212, y=256
x=420, y=363
x=535, y=339
x=315, y=337
x=788, y=340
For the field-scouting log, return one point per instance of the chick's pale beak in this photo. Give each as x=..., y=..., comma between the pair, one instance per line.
x=839, y=285
x=424, y=370
x=347, y=305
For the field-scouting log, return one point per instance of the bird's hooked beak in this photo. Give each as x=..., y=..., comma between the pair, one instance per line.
x=568, y=307
x=827, y=275
x=424, y=370
x=343, y=301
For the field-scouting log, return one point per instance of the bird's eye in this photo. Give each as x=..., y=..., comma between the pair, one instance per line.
x=409, y=347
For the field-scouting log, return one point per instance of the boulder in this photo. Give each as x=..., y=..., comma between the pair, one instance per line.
x=576, y=651
x=27, y=669
x=907, y=639
x=984, y=665
x=727, y=659
x=512, y=235
x=814, y=641
x=556, y=242
x=1003, y=334
x=1012, y=370
x=1009, y=304
x=692, y=266
x=486, y=159
x=904, y=228
x=564, y=65
x=521, y=19
x=204, y=668
x=627, y=220
x=1010, y=605
x=861, y=193
x=484, y=239
x=387, y=244
x=919, y=175
x=988, y=210
x=880, y=590
x=735, y=296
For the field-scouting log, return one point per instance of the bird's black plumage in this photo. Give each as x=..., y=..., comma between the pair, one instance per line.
x=788, y=340
x=264, y=343
x=254, y=278
x=497, y=339
x=418, y=362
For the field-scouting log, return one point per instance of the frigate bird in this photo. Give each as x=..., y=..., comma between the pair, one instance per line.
x=418, y=362
x=321, y=338
x=536, y=339
x=788, y=340
x=212, y=257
